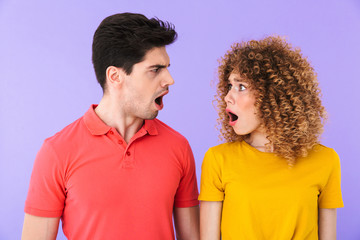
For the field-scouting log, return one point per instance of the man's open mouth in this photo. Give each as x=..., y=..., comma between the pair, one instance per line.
x=158, y=100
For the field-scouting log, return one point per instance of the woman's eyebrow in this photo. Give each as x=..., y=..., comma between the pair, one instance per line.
x=241, y=80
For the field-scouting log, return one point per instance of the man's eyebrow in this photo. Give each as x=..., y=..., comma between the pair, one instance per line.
x=159, y=66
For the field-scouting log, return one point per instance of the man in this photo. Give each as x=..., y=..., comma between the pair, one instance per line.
x=118, y=172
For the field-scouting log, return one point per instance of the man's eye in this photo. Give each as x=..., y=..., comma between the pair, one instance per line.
x=155, y=70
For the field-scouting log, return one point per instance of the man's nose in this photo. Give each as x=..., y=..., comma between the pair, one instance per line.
x=168, y=80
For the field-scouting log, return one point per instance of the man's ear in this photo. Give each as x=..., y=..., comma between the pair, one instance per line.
x=114, y=76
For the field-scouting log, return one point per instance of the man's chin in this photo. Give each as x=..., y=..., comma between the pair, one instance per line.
x=152, y=115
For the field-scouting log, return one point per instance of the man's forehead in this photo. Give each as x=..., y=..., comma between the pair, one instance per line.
x=157, y=56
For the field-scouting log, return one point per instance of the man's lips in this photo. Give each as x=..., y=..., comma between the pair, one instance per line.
x=159, y=100
x=232, y=117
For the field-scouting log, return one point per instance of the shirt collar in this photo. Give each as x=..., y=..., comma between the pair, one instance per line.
x=93, y=123
x=150, y=127
x=97, y=127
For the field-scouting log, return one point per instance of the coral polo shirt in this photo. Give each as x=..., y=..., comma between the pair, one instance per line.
x=103, y=188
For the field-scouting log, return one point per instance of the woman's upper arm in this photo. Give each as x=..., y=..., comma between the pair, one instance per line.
x=327, y=223
x=210, y=219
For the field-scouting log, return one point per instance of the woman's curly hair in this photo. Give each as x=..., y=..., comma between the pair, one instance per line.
x=286, y=91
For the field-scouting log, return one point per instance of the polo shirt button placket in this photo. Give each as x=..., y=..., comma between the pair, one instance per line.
x=128, y=162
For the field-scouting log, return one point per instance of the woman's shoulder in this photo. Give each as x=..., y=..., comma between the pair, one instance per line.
x=323, y=154
x=320, y=149
x=219, y=154
x=227, y=147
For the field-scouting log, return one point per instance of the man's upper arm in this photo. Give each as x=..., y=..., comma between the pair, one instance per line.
x=187, y=223
x=187, y=192
x=46, y=194
x=186, y=209
x=45, y=200
x=40, y=228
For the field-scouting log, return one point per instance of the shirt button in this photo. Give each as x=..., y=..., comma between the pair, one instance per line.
x=120, y=142
x=128, y=153
x=111, y=132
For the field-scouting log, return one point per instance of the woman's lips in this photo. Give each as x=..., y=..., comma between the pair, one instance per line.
x=232, y=123
x=232, y=117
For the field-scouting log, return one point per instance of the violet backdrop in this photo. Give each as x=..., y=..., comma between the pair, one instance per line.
x=47, y=80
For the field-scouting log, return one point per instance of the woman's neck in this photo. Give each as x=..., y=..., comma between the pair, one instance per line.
x=258, y=140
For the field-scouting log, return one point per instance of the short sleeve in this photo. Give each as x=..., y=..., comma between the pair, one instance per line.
x=211, y=187
x=187, y=192
x=330, y=195
x=46, y=195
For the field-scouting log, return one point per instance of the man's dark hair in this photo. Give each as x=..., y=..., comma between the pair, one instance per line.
x=122, y=40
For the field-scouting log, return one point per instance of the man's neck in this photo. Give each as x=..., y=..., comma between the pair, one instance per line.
x=113, y=115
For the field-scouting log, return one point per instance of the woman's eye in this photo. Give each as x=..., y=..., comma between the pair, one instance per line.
x=238, y=88
x=241, y=87
x=229, y=86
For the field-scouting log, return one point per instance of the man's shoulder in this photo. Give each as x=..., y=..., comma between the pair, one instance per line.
x=168, y=132
x=67, y=134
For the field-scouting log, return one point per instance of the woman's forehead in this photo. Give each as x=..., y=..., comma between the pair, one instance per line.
x=236, y=77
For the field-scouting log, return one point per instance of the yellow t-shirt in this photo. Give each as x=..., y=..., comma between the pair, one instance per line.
x=263, y=198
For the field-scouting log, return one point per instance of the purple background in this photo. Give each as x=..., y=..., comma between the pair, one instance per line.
x=47, y=80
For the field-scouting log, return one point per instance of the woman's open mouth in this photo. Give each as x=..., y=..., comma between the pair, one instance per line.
x=232, y=117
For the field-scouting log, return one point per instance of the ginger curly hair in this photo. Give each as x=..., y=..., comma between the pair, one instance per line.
x=286, y=91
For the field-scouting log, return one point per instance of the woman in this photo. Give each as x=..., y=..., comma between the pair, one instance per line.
x=271, y=179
